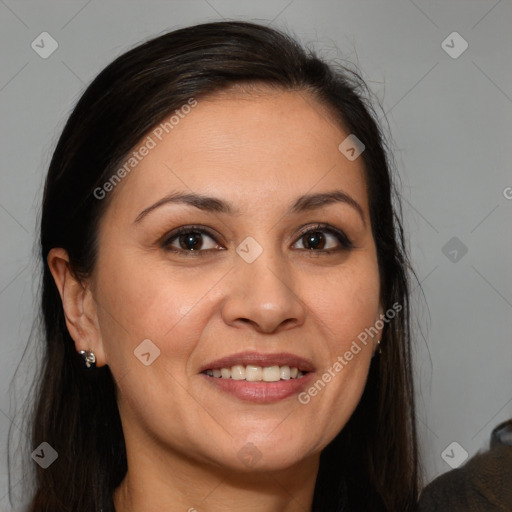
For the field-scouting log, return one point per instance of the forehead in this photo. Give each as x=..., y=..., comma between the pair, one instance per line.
x=265, y=145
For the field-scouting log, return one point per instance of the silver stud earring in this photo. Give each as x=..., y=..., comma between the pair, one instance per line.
x=88, y=356
x=379, y=348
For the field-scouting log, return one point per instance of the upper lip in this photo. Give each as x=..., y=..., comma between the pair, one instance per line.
x=259, y=359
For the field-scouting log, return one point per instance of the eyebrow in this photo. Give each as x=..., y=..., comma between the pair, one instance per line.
x=307, y=202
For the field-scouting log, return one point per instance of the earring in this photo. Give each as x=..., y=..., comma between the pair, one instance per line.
x=88, y=356
x=379, y=348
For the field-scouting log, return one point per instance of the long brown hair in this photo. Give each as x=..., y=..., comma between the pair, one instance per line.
x=373, y=462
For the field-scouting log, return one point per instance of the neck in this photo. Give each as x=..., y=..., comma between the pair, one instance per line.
x=156, y=482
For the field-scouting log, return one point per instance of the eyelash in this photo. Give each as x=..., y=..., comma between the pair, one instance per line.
x=345, y=242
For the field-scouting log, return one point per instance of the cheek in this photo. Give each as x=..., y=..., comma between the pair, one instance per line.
x=344, y=305
x=168, y=310
x=342, y=308
x=152, y=301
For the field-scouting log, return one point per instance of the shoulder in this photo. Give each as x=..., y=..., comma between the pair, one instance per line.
x=483, y=483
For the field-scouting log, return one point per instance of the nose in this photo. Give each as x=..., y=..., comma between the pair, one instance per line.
x=263, y=294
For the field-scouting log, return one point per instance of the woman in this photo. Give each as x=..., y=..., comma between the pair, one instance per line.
x=225, y=288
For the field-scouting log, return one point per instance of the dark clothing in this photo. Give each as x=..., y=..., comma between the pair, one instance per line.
x=483, y=484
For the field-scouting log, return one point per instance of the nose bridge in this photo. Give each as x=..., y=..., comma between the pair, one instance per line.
x=262, y=288
x=263, y=268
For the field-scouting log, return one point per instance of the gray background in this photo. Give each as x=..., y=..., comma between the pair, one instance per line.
x=451, y=121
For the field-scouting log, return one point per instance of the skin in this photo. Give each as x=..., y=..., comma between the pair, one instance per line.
x=183, y=436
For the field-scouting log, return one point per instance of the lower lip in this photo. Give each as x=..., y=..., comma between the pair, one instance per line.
x=261, y=392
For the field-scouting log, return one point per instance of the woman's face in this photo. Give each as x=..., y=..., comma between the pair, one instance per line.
x=243, y=288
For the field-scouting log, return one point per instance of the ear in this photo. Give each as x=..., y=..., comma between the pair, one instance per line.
x=80, y=308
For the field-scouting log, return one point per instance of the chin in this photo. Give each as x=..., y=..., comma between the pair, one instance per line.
x=270, y=454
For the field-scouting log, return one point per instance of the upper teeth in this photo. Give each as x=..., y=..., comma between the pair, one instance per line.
x=256, y=373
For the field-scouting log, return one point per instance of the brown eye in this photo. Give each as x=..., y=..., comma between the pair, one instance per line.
x=190, y=241
x=320, y=239
x=314, y=239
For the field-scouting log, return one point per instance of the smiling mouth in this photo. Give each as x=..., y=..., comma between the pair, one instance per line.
x=253, y=373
